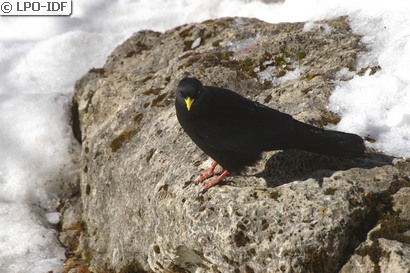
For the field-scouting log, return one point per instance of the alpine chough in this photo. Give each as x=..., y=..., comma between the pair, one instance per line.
x=234, y=131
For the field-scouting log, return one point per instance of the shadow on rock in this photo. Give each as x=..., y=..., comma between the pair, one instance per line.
x=291, y=165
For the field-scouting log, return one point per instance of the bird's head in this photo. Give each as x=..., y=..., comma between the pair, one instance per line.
x=189, y=89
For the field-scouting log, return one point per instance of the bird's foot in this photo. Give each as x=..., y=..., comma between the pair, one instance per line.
x=215, y=181
x=210, y=172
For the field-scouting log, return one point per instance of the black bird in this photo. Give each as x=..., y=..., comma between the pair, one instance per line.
x=234, y=131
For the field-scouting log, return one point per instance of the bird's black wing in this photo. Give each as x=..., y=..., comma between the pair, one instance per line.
x=237, y=124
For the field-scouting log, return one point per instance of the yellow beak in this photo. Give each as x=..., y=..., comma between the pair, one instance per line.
x=188, y=102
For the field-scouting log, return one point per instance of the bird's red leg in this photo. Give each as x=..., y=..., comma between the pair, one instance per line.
x=210, y=172
x=216, y=180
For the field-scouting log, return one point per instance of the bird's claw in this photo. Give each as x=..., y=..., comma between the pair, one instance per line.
x=203, y=177
x=210, y=172
x=208, y=185
x=213, y=182
x=206, y=175
x=202, y=192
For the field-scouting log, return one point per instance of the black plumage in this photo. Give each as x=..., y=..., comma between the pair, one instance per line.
x=234, y=131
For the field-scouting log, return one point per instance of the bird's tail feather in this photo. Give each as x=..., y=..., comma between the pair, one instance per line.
x=328, y=142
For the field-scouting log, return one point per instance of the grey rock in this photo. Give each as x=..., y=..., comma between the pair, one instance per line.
x=387, y=246
x=292, y=212
x=71, y=223
x=402, y=203
x=396, y=256
x=383, y=256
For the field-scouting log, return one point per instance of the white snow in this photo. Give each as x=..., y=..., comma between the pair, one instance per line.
x=196, y=43
x=269, y=74
x=41, y=57
x=312, y=25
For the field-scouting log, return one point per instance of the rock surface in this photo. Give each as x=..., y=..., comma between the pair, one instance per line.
x=293, y=212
